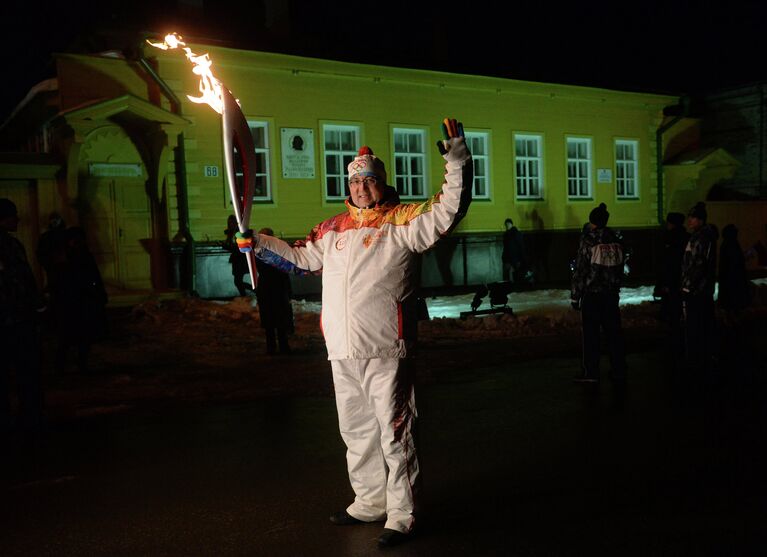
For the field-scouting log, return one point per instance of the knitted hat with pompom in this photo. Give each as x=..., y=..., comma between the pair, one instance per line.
x=367, y=164
x=599, y=216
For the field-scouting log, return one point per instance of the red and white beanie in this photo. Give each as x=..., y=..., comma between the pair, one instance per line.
x=367, y=164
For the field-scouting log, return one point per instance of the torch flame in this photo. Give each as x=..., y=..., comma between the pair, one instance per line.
x=211, y=92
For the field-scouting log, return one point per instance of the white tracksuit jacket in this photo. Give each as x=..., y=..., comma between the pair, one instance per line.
x=367, y=262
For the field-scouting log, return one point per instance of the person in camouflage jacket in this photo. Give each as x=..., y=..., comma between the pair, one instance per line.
x=697, y=289
x=596, y=284
x=699, y=259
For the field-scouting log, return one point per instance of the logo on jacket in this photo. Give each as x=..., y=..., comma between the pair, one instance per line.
x=341, y=243
x=370, y=239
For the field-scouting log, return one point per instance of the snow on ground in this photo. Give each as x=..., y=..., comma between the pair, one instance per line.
x=523, y=303
x=532, y=302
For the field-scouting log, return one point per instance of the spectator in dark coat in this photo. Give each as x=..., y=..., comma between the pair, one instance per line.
x=20, y=304
x=667, y=288
x=273, y=294
x=513, y=256
x=51, y=248
x=78, y=300
x=734, y=295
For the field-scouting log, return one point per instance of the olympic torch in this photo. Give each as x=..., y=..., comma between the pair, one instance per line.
x=236, y=135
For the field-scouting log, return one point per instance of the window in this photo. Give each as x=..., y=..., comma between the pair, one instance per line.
x=578, y=168
x=410, y=162
x=626, y=169
x=477, y=144
x=341, y=144
x=263, y=188
x=528, y=154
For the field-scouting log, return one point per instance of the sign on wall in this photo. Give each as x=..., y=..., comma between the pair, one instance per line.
x=114, y=170
x=210, y=171
x=604, y=175
x=297, y=152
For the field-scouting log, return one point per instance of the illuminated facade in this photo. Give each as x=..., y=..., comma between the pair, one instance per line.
x=141, y=166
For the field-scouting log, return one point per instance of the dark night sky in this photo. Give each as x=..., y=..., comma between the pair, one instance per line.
x=673, y=46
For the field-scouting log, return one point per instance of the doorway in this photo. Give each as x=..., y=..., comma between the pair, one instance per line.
x=117, y=217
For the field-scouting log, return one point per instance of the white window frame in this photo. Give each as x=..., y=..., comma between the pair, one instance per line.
x=481, y=185
x=580, y=177
x=339, y=154
x=266, y=151
x=627, y=170
x=409, y=157
x=526, y=181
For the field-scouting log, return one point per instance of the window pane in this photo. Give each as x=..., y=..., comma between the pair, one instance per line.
x=571, y=150
x=582, y=169
x=332, y=186
x=481, y=187
x=399, y=163
x=331, y=140
x=534, y=191
x=331, y=162
x=520, y=147
x=260, y=190
x=415, y=143
x=479, y=146
x=479, y=167
x=571, y=170
x=259, y=137
x=400, y=142
x=401, y=185
x=521, y=169
x=347, y=141
x=416, y=166
x=417, y=186
x=261, y=162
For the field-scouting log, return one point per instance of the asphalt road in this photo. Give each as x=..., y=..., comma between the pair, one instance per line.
x=516, y=459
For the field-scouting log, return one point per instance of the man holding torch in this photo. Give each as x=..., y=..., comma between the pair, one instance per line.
x=368, y=256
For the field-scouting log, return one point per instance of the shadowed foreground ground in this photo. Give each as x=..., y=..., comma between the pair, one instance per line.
x=161, y=451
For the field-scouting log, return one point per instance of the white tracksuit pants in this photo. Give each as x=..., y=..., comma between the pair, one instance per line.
x=376, y=409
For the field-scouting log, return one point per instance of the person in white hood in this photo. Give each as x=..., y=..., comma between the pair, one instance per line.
x=368, y=257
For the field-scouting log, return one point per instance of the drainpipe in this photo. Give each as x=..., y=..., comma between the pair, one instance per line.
x=181, y=183
x=681, y=110
x=762, y=192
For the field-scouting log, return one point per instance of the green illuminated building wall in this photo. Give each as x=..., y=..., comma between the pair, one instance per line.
x=286, y=92
x=545, y=155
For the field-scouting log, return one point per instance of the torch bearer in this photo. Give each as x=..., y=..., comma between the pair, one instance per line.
x=236, y=136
